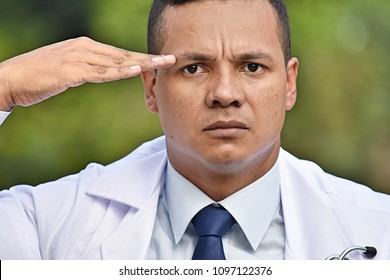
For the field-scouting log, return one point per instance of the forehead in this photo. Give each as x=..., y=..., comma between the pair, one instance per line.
x=221, y=26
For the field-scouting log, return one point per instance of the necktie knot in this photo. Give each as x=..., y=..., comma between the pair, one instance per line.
x=210, y=224
x=211, y=220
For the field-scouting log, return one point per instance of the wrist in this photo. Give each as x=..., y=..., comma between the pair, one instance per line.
x=6, y=103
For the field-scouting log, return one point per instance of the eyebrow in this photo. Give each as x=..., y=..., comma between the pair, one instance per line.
x=253, y=56
x=196, y=56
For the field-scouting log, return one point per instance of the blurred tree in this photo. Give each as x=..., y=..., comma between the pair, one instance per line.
x=27, y=24
x=341, y=120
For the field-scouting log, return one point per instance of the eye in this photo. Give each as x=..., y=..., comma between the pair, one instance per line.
x=193, y=69
x=253, y=68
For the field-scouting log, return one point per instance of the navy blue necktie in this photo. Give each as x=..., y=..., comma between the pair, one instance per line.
x=211, y=223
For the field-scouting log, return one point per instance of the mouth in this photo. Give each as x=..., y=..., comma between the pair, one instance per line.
x=225, y=129
x=226, y=125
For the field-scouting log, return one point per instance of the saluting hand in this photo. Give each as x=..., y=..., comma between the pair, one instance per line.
x=32, y=77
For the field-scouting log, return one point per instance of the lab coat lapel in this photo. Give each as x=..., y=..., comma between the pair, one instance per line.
x=132, y=239
x=138, y=186
x=314, y=229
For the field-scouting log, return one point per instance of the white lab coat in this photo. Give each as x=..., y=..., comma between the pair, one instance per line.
x=109, y=212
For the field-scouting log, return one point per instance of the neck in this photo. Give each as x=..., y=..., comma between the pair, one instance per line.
x=220, y=182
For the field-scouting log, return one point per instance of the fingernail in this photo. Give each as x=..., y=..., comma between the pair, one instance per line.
x=170, y=58
x=135, y=67
x=157, y=58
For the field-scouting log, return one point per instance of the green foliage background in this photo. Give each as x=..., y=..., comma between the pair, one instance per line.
x=341, y=120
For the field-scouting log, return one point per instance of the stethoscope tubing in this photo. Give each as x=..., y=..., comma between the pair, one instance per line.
x=369, y=251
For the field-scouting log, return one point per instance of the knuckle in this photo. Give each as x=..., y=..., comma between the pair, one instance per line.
x=118, y=60
x=81, y=41
x=84, y=39
x=74, y=51
x=143, y=61
x=101, y=70
x=127, y=53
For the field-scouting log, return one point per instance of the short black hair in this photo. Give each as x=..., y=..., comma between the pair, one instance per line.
x=156, y=24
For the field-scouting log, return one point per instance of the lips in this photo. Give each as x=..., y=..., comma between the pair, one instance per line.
x=226, y=125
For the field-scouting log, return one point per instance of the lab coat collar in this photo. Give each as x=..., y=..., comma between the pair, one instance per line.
x=314, y=229
x=138, y=183
x=132, y=184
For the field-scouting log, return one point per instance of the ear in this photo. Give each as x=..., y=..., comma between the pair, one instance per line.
x=149, y=81
x=292, y=75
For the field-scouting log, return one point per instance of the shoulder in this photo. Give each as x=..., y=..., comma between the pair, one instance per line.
x=60, y=195
x=363, y=213
x=340, y=190
x=72, y=207
x=358, y=197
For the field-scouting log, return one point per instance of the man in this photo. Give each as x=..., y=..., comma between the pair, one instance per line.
x=222, y=100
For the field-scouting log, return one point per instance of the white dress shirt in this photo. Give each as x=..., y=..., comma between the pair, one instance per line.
x=258, y=234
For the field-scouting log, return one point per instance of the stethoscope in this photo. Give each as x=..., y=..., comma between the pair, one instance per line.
x=368, y=251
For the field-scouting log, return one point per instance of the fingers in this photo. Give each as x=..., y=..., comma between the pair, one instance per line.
x=99, y=54
x=145, y=61
x=106, y=71
x=100, y=74
x=156, y=62
x=37, y=75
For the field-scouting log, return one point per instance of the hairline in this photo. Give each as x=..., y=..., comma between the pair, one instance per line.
x=160, y=30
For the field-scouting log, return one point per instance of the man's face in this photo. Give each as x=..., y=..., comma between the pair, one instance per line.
x=222, y=106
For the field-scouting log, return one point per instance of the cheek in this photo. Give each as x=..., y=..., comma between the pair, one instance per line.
x=269, y=101
x=269, y=112
x=175, y=109
x=278, y=101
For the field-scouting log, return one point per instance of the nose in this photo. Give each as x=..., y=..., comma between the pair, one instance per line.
x=224, y=90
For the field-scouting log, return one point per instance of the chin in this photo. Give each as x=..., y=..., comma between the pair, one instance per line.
x=226, y=162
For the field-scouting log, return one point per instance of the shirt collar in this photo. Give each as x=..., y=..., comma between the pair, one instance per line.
x=253, y=207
